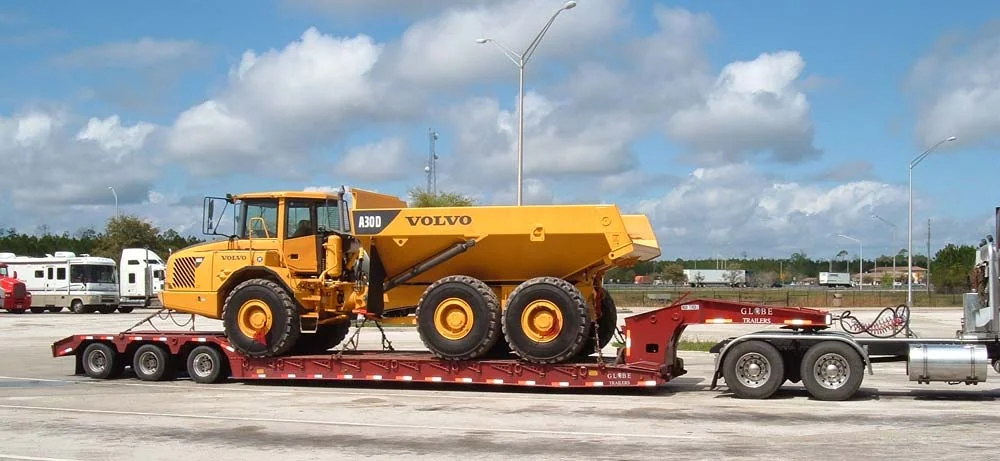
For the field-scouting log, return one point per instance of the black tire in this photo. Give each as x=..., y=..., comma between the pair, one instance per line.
x=78, y=308
x=283, y=311
x=153, y=363
x=206, y=365
x=473, y=339
x=324, y=339
x=125, y=309
x=573, y=329
x=55, y=309
x=750, y=356
x=37, y=310
x=606, y=325
x=106, y=309
x=101, y=361
x=832, y=356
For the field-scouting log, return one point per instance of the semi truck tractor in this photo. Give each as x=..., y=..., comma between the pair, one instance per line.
x=479, y=281
x=14, y=296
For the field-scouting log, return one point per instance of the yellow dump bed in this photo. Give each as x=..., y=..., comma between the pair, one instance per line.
x=511, y=243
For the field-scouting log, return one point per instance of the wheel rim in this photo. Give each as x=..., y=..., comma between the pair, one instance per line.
x=97, y=361
x=202, y=365
x=453, y=318
x=831, y=370
x=753, y=370
x=148, y=363
x=541, y=321
x=254, y=318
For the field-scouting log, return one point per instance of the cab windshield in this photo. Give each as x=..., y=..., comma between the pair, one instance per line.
x=3, y=271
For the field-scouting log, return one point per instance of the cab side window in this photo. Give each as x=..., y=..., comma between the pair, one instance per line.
x=257, y=210
x=299, y=222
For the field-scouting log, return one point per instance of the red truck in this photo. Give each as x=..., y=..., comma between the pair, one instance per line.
x=14, y=297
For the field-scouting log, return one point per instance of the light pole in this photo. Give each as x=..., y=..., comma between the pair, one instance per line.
x=116, y=199
x=909, y=226
x=520, y=60
x=861, y=261
x=892, y=247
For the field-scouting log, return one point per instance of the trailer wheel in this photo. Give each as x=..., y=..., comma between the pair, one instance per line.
x=153, y=363
x=101, y=361
x=546, y=320
x=106, y=309
x=206, y=365
x=458, y=318
x=125, y=309
x=753, y=370
x=831, y=370
x=261, y=319
x=605, y=325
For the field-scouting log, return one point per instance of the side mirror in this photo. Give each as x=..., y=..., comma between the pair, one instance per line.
x=15, y=274
x=208, y=214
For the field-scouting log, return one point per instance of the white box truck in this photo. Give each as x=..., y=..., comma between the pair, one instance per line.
x=835, y=279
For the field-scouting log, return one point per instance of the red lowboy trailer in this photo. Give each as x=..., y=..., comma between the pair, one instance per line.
x=647, y=358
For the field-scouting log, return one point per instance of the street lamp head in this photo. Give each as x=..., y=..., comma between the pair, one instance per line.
x=482, y=40
x=569, y=5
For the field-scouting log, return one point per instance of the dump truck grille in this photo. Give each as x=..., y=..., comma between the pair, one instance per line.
x=182, y=275
x=19, y=291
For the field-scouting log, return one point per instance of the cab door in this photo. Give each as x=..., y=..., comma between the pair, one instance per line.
x=300, y=246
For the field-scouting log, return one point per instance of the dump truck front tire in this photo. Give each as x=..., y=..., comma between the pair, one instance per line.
x=261, y=319
x=458, y=318
x=546, y=320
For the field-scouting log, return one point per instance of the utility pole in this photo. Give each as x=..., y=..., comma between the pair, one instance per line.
x=431, y=167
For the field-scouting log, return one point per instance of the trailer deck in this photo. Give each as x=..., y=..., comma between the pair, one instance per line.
x=647, y=358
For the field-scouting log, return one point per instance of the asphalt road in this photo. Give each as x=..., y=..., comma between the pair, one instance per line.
x=47, y=413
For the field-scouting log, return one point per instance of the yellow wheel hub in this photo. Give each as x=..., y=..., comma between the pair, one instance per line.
x=453, y=318
x=541, y=321
x=254, y=318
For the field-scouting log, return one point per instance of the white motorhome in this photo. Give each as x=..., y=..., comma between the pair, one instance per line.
x=141, y=277
x=82, y=283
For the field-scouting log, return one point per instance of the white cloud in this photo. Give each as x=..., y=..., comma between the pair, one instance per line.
x=957, y=87
x=754, y=106
x=738, y=207
x=110, y=135
x=385, y=160
x=50, y=162
x=144, y=52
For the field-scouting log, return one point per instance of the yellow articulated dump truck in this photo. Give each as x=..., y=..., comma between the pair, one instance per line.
x=480, y=281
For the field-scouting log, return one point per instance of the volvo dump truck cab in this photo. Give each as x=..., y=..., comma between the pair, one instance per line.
x=297, y=267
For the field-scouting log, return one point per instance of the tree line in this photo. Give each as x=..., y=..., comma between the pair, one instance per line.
x=120, y=232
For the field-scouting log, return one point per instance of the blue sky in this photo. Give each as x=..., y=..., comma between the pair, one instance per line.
x=625, y=105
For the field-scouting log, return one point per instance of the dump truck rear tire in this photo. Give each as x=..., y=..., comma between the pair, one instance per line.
x=458, y=318
x=261, y=319
x=606, y=325
x=546, y=320
x=325, y=338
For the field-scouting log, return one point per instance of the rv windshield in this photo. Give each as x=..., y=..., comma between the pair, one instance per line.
x=91, y=273
x=3, y=271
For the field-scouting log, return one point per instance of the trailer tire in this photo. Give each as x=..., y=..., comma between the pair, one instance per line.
x=559, y=307
x=753, y=370
x=260, y=309
x=106, y=309
x=443, y=318
x=125, y=309
x=206, y=365
x=832, y=371
x=101, y=361
x=606, y=325
x=153, y=363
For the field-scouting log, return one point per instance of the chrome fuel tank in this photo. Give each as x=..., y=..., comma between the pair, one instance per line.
x=966, y=363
